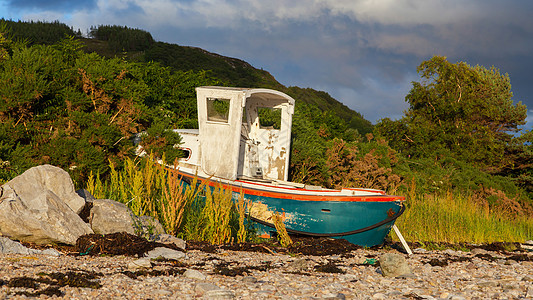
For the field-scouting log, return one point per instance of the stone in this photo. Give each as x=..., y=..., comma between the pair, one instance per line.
x=393, y=265
x=85, y=194
x=219, y=294
x=50, y=252
x=249, y=279
x=148, y=226
x=7, y=246
x=142, y=263
x=301, y=264
x=170, y=239
x=338, y=296
x=194, y=274
x=166, y=253
x=109, y=216
x=37, y=180
x=42, y=218
x=203, y=287
x=477, y=251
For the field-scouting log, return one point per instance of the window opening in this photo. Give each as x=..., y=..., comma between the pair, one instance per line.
x=269, y=118
x=218, y=109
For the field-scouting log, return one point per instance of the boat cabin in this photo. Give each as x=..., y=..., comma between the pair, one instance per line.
x=244, y=133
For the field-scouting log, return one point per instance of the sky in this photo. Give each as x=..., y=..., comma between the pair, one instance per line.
x=364, y=53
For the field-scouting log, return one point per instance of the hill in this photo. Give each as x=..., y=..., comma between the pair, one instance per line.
x=138, y=45
x=232, y=71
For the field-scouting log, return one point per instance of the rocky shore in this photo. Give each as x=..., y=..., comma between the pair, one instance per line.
x=220, y=273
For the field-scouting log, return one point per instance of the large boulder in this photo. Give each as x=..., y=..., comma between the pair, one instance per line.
x=40, y=179
x=109, y=216
x=41, y=206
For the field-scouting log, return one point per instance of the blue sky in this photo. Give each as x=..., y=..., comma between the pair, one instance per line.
x=362, y=52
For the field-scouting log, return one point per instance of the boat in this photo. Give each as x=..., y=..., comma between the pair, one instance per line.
x=243, y=143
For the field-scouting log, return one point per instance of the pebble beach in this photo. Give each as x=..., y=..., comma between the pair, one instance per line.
x=226, y=274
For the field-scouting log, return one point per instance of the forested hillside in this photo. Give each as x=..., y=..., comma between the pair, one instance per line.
x=75, y=102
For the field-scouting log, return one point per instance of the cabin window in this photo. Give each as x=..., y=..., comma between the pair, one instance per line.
x=186, y=153
x=269, y=118
x=218, y=109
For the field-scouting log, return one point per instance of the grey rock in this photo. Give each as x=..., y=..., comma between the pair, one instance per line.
x=147, y=226
x=142, y=263
x=37, y=180
x=301, y=264
x=339, y=296
x=42, y=217
x=167, y=253
x=477, y=251
x=488, y=283
x=456, y=297
x=249, y=279
x=203, y=287
x=194, y=274
x=170, y=239
x=393, y=265
x=219, y=294
x=85, y=194
x=7, y=246
x=450, y=252
x=51, y=252
x=109, y=216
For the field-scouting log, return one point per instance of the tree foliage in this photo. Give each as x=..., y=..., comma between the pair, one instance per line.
x=37, y=32
x=75, y=110
x=122, y=38
x=459, y=111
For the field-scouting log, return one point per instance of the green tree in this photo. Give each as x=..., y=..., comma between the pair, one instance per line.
x=459, y=111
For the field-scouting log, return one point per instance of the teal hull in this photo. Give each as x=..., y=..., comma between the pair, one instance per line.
x=330, y=217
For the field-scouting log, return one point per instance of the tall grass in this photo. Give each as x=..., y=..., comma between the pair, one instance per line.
x=283, y=236
x=455, y=218
x=192, y=211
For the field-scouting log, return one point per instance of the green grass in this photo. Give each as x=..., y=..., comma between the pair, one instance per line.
x=212, y=214
x=455, y=218
x=192, y=212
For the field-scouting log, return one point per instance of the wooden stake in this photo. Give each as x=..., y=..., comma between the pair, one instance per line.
x=402, y=240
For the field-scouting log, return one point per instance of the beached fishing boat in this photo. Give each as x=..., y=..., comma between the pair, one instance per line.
x=243, y=143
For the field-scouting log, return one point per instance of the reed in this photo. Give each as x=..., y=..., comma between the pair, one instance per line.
x=242, y=206
x=147, y=188
x=455, y=218
x=174, y=199
x=217, y=215
x=283, y=236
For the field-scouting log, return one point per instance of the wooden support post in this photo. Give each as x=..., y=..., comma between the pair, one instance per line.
x=402, y=240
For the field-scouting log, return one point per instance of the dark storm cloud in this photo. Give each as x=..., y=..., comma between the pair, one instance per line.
x=59, y=5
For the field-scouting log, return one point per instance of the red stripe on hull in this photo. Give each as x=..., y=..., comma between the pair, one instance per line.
x=299, y=197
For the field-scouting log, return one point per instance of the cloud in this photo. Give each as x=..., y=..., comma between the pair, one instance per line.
x=529, y=120
x=362, y=52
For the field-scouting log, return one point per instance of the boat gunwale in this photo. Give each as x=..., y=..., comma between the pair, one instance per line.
x=314, y=196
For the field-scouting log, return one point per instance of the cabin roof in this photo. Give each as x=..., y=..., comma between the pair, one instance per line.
x=252, y=92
